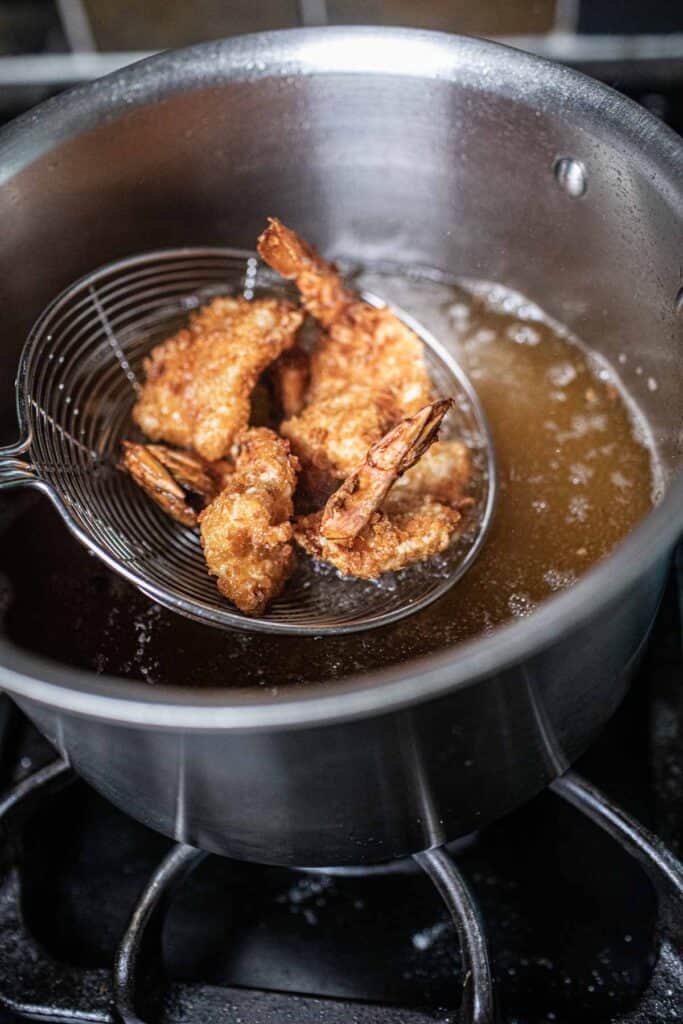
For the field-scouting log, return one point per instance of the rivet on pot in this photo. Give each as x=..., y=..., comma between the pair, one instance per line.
x=571, y=176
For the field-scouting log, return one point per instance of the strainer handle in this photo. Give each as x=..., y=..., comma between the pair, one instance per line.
x=15, y=472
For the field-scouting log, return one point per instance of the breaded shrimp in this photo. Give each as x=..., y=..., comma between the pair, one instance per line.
x=331, y=437
x=166, y=475
x=402, y=533
x=246, y=532
x=364, y=530
x=351, y=507
x=323, y=293
x=361, y=344
x=367, y=369
x=442, y=473
x=199, y=382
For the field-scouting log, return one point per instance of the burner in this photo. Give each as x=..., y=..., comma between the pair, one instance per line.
x=402, y=866
x=582, y=908
x=32, y=983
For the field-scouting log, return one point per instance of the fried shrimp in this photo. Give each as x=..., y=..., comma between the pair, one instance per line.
x=402, y=533
x=366, y=529
x=360, y=344
x=199, y=382
x=352, y=505
x=246, y=532
x=358, y=433
x=367, y=367
x=331, y=437
x=442, y=473
x=167, y=474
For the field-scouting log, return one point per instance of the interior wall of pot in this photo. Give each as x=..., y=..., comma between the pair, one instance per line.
x=370, y=167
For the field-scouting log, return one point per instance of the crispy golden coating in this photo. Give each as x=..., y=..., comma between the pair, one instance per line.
x=364, y=530
x=166, y=475
x=361, y=344
x=199, y=382
x=358, y=409
x=365, y=357
x=331, y=437
x=405, y=531
x=351, y=507
x=442, y=473
x=246, y=531
x=371, y=346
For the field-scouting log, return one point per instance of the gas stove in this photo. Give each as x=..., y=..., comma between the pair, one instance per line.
x=571, y=904
x=570, y=909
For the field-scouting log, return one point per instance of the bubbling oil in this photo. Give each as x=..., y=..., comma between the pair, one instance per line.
x=576, y=472
x=576, y=465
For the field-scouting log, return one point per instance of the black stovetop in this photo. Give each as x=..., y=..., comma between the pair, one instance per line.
x=570, y=916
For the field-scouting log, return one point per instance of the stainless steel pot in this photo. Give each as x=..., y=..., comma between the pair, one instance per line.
x=383, y=143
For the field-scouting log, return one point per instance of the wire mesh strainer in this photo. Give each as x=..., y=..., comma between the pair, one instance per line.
x=78, y=379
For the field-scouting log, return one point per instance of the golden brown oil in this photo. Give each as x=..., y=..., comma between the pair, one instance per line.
x=575, y=473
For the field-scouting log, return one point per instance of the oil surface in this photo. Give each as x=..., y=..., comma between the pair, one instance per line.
x=575, y=474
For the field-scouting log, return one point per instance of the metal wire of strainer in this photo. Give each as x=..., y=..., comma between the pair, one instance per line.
x=77, y=381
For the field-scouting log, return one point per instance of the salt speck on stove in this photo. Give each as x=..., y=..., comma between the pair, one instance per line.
x=426, y=938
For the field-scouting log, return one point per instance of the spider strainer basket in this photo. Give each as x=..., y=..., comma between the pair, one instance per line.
x=78, y=380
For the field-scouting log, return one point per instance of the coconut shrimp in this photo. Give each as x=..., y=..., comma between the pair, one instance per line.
x=170, y=475
x=361, y=344
x=366, y=529
x=246, y=531
x=403, y=532
x=353, y=504
x=367, y=365
x=197, y=392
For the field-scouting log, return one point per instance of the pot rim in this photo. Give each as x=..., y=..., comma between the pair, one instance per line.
x=379, y=50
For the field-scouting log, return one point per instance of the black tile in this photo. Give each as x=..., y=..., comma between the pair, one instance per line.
x=630, y=16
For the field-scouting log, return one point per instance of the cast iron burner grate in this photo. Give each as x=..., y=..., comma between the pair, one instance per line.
x=133, y=989
x=104, y=920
